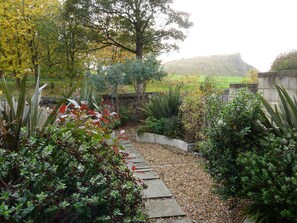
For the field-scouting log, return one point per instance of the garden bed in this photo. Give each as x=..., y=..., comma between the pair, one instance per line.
x=164, y=140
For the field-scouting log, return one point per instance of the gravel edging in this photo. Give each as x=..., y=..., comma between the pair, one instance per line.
x=190, y=184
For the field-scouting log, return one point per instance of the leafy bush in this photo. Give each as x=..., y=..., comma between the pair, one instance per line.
x=63, y=173
x=124, y=115
x=285, y=61
x=170, y=127
x=269, y=179
x=230, y=131
x=192, y=109
x=252, y=154
x=68, y=175
x=269, y=174
x=163, y=114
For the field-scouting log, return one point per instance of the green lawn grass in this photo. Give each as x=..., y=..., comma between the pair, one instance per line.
x=188, y=83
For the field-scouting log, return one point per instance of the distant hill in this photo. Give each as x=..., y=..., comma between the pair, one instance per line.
x=221, y=65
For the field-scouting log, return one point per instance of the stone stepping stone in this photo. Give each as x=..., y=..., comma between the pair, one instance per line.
x=134, y=155
x=163, y=208
x=150, y=175
x=130, y=150
x=138, y=166
x=125, y=142
x=182, y=221
x=156, y=189
x=136, y=160
x=143, y=170
x=129, y=147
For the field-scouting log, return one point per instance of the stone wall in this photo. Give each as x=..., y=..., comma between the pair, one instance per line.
x=130, y=102
x=234, y=87
x=127, y=100
x=268, y=80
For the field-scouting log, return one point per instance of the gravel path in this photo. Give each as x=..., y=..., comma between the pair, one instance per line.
x=189, y=183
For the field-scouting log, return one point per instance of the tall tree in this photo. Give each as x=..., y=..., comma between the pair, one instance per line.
x=20, y=37
x=138, y=26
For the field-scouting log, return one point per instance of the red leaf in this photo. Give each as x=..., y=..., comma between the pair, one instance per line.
x=91, y=112
x=63, y=109
x=133, y=168
x=104, y=120
x=84, y=107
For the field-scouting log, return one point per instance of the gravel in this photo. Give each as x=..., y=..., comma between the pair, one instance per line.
x=185, y=175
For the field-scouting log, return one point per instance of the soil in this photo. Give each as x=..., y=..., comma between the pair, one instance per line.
x=186, y=177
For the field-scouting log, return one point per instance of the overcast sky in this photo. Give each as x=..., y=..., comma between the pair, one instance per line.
x=257, y=29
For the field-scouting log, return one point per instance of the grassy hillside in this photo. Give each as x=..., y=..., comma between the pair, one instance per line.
x=219, y=65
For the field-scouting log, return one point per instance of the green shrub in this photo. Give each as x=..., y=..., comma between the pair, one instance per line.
x=285, y=61
x=193, y=110
x=269, y=179
x=269, y=174
x=164, y=115
x=163, y=105
x=230, y=131
x=124, y=115
x=68, y=174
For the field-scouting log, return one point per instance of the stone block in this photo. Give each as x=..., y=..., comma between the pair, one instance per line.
x=163, y=208
x=270, y=95
x=160, y=139
x=282, y=81
x=138, y=166
x=136, y=160
x=293, y=83
x=150, y=175
x=265, y=83
x=156, y=189
x=134, y=155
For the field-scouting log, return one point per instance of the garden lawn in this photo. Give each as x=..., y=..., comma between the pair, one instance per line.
x=189, y=183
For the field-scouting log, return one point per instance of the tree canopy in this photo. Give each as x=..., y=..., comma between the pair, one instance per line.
x=138, y=26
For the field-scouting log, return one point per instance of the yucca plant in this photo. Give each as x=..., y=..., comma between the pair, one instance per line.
x=163, y=105
x=22, y=113
x=280, y=119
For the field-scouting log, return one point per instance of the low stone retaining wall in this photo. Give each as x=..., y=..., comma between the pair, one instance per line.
x=163, y=140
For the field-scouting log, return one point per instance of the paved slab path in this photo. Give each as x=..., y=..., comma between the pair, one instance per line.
x=159, y=202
